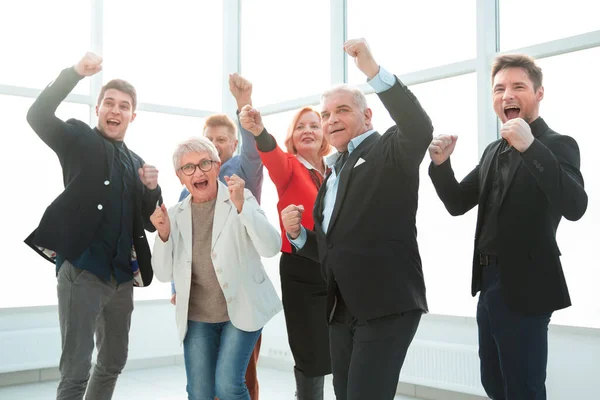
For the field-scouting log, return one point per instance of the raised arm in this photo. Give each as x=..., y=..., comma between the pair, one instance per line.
x=409, y=139
x=56, y=133
x=276, y=160
x=458, y=198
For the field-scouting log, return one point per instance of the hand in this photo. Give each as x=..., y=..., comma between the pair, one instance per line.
x=441, y=147
x=360, y=51
x=236, y=191
x=89, y=65
x=291, y=216
x=241, y=89
x=251, y=120
x=160, y=220
x=174, y=299
x=149, y=176
x=517, y=133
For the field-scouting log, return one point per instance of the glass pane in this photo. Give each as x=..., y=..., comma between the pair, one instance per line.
x=28, y=192
x=524, y=23
x=154, y=136
x=286, y=56
x=412, y=35
x=172, y=55
x=445, y=242
x=40, y=38
x=571, y=82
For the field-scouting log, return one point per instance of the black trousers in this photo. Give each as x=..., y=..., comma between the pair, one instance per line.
x=513, y=348
x=367, y=355
x=304, y=297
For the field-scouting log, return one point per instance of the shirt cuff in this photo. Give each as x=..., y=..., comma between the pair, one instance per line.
x=383, y=81
x=300, y=241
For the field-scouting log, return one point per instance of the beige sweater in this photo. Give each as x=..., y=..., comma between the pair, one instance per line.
x=207, y=302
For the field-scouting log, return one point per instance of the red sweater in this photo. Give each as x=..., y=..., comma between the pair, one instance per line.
x=295, y=185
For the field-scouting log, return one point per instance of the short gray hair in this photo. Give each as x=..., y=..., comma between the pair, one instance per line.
x=359, y=97
x=198, y=144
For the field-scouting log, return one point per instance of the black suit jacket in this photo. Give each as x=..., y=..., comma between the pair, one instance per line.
x=370, y=250
x=543, y=186
x=70, y=221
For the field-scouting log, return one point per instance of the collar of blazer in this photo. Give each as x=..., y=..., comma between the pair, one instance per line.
x=183, y=217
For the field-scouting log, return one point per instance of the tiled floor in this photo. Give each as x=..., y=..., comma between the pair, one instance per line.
x=167, y=383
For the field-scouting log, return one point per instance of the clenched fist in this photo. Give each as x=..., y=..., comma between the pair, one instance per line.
x=517, y=133
x=236, y=191
x=149, y=176
x=441, y=148
x=241, y=89
x=291, y=217
x=160, y=220
x=363, y=58
x=89, y=65
x=251, y=120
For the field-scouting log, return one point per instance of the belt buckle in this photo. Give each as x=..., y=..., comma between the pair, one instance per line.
x=484, y=260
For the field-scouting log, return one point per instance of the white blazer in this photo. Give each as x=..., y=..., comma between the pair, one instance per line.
x=238, y=242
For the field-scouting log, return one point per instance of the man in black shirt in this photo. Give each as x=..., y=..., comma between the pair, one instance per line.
x=94, y=230
x=524, y=184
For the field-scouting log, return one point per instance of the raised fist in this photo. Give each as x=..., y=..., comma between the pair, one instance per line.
x=251, y=120
x=89, y=65
x=359, y=50
x=291, y=218
x=241, y=89
x=441, y=148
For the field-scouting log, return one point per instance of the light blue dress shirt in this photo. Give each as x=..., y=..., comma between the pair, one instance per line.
x=383, y=81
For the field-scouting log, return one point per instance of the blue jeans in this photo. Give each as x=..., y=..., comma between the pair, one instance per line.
x=513, y=348
x=216, y=357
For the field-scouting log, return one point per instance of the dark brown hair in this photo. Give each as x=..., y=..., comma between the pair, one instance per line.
x=121, y=86
x=519, y=61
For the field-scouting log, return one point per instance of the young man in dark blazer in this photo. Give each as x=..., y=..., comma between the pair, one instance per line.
x=94, y=230
x=365, y=234
x=524, y=184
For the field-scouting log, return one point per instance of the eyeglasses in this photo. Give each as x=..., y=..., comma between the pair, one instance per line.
x=190, y=169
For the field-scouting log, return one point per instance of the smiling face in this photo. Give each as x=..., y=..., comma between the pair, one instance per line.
x=223, y=139
x=308, y=136
x=342, y=119
x=514, y=95
x=115, y=112
x=202, y=185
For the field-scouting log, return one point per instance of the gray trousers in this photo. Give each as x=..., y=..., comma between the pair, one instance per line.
x=88, y=305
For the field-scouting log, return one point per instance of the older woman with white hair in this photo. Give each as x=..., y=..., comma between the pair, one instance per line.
x=211, y=245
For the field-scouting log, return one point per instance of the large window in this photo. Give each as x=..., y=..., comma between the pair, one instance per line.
x=408, y=36
x=570, y=103
x=524, y=23
x=285, y=48
x=39, y=38
x=172, y=54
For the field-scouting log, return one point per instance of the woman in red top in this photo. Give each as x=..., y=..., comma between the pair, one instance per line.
x=298, y=174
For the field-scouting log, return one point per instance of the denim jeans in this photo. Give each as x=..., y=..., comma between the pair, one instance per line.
x=216, y=357
x=513, y=348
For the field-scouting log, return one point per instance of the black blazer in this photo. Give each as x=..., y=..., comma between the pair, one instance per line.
x=544, y=186
x=70, y=221
x=370, y=250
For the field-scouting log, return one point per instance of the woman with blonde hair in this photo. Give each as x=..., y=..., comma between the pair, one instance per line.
x=297, y=175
